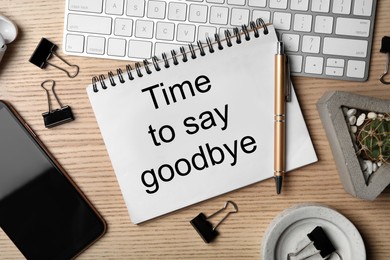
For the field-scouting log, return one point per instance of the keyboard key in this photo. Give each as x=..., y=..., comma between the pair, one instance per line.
x=165, y=31
x=341, y=6
x=282, y=21
x=206, y=31
x=291, y=41
x=216, y=1
x=314, y=65
x=302, y=22
x=219, y=15
x=363, y=7
x=279, y=4
x=123, y=27
x=116, y=47
x=90, y=6
x=345, y=47
x=177, y=11
x=311, y=44
x=356, y=68
x=74, y=43
x=295, y=62
x=265, y=15
x=353, y=27
x=236, y=2
x=331, y=62
x=144, y=29
x=135, y=8
x=300, y=5
x=89, y=24
x=156, y=9
x=96, y=45
x=140, y=49
x=186, y=32
x=257, y=3
x=114, y=7
x=323, y=24
x=334, y=71
x=198, y=13
x=321, y=6
x=239, y=17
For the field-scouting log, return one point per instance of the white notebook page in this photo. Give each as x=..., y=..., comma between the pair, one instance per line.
x=170, y=157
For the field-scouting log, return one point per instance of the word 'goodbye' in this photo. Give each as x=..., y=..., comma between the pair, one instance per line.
x=207, y=156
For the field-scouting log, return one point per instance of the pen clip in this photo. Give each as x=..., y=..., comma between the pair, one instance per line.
x=288, y=81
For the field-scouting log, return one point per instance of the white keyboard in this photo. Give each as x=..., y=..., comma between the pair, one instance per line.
x=324, y=38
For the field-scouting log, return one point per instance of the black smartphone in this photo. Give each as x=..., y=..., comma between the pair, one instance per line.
x=41, y=209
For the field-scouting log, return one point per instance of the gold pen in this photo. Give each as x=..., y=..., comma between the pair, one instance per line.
x=280, y=117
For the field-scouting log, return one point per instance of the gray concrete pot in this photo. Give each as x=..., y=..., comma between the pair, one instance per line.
x=330, y=107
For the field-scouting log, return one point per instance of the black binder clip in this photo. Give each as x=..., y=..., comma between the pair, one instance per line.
x=385, y=48
x=43, y=53
x=58, y=116
x=205, y=229
x=321, y=242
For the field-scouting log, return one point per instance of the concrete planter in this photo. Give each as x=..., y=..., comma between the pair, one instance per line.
x=330, y=107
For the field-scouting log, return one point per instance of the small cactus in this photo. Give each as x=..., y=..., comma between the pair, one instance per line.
x=373, y=138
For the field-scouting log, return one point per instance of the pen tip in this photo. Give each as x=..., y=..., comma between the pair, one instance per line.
x=278, y=182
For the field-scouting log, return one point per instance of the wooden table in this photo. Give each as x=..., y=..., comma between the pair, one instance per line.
x=79, y=148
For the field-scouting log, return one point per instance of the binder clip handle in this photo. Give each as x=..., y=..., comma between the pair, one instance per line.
x=227, y=214
x=53, y=83
x=55, y=117
x=76, y=68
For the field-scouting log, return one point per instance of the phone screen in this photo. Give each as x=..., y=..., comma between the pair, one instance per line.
x=40, y=209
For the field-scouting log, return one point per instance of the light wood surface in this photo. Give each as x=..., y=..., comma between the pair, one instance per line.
x=78, y=146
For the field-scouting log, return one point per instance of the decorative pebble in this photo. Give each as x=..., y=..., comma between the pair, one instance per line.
x=351, y=112
x=354, y=129
x=360, y=119
x=369, y=166
x=374, y=167
x=372, y=115
x=364, y=166
x=352, y=120
x=379, y=164
x=380, y=115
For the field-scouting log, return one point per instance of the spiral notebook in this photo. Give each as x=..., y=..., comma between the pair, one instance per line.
x=196, y=123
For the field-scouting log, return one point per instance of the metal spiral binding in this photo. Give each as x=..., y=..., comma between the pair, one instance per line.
x=201, y=49
x=111, y=78
x=173, y=55
x=128, y=70
x=138, y=70
x=236, y=33
x=209, y=43
x=228, y=36
x=119, y=72
x=184, y=54
x=155, y=63
x=254, y=26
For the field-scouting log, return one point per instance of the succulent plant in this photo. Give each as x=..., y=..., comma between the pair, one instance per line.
x=373, y=139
